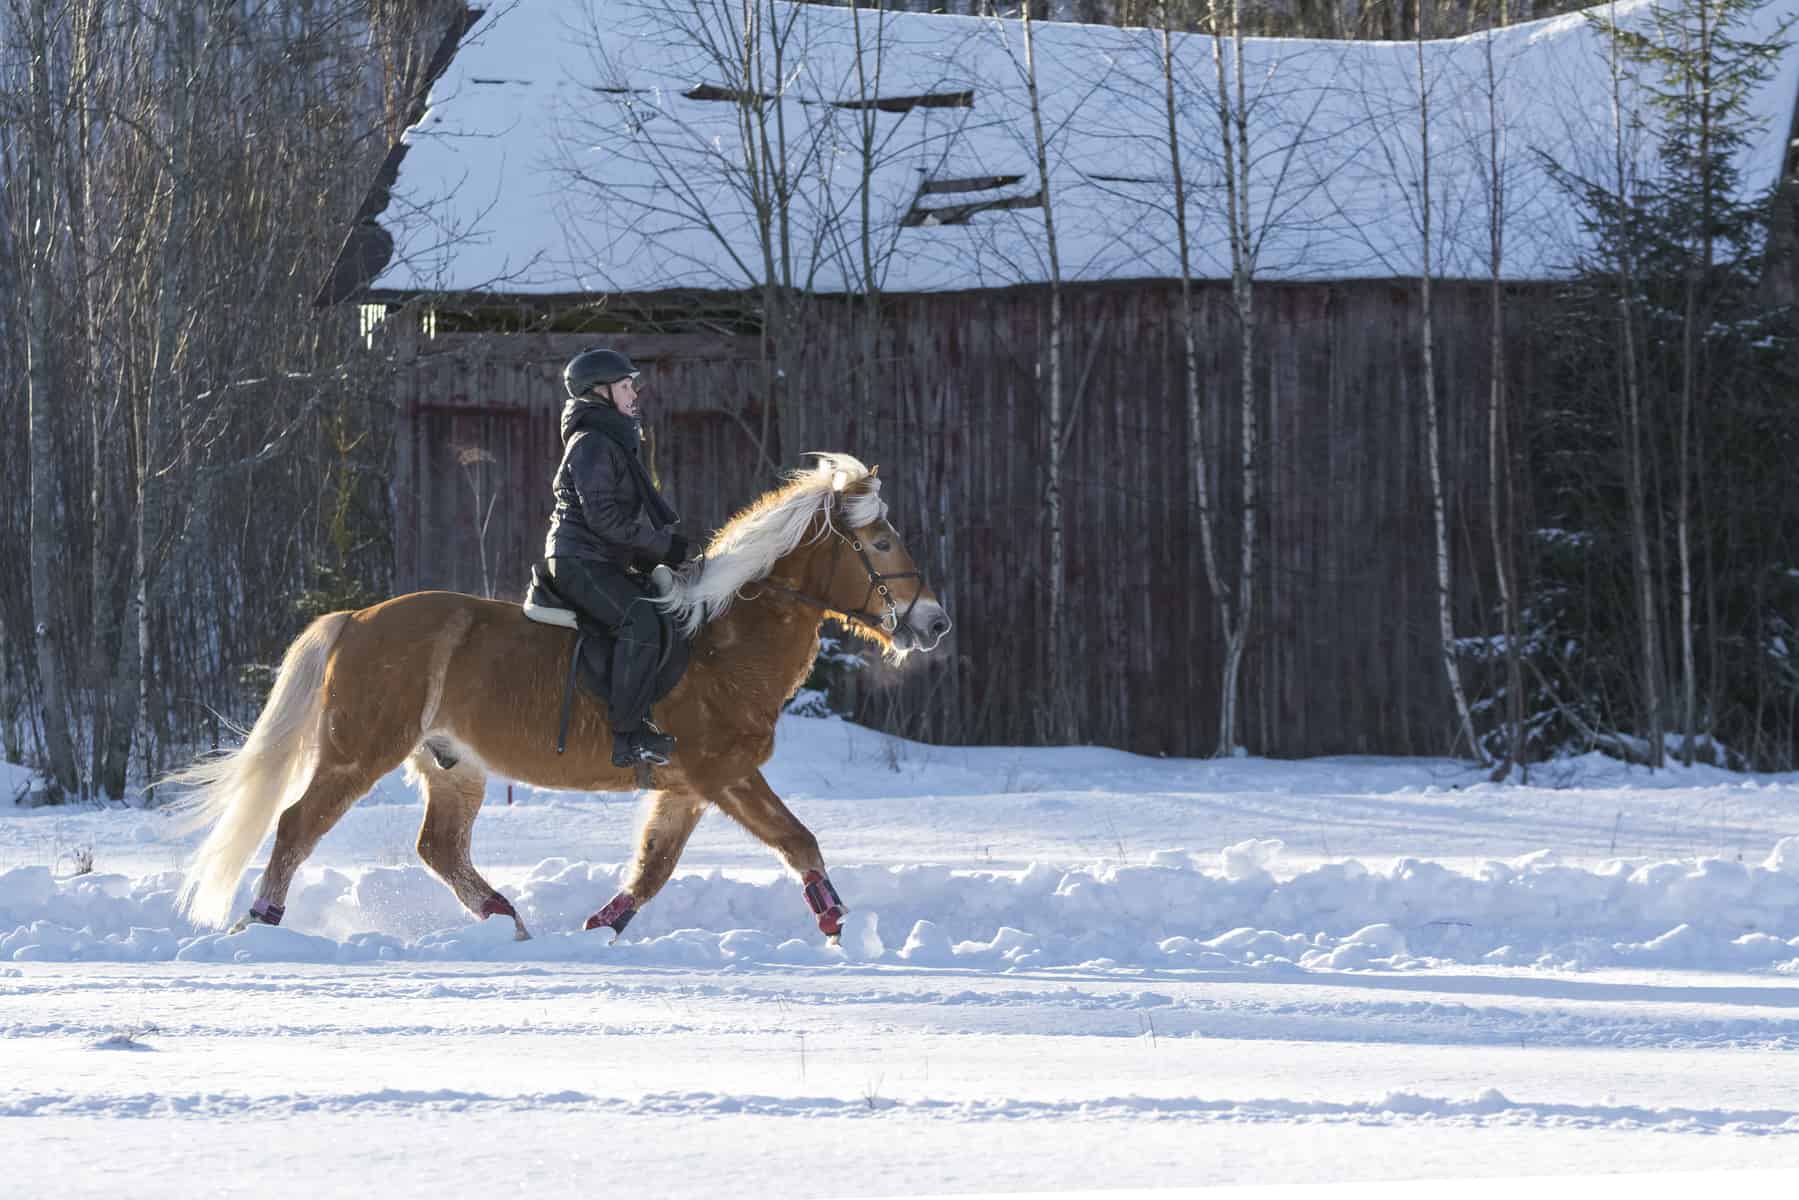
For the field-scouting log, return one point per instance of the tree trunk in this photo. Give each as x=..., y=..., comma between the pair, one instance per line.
x=47, y=605
x=1061, y=717
x=1433, y=439
x=1691, y=350
x=1233, y=118
x=868, y=133
x=1501, y=504
x=1635, y=496
x=160, y=438
x=1196, y=446
x=78, y=187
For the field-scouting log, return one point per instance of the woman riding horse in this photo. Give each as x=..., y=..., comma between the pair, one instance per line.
x=455, y=686
x=609, y=526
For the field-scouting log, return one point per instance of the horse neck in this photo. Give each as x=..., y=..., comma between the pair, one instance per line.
x=769, y=636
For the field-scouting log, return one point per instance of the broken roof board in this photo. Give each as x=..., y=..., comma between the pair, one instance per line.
x=560, y=153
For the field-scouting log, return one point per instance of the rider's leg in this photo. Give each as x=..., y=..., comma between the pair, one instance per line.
x=634, y=657
x=605, y=593
x=599, y=591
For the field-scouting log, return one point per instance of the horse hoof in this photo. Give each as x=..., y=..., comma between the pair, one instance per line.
x=521, y=934
x=834, y=939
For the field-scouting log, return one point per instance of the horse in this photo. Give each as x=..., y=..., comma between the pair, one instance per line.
x=455, y=687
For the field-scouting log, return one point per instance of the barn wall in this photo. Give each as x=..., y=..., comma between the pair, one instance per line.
x=1343, y=658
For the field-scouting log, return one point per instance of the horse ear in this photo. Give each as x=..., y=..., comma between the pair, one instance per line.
x=839, y=480
x=874, y=470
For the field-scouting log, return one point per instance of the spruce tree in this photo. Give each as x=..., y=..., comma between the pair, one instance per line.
x=1713, y=358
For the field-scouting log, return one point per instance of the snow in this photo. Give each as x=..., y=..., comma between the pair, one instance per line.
x=993, y=857
x=1408, y=914
x=16, y=783
x=1063, y=968
x=559, y=152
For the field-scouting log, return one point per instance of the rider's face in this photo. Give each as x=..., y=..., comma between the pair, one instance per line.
x=624, y=396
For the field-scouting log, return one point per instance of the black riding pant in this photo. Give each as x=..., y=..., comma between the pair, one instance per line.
x=607, y=594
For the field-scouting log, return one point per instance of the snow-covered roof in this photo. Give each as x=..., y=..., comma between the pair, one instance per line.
x=578, y=146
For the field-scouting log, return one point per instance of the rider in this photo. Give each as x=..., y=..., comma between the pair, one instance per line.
x=610, y=527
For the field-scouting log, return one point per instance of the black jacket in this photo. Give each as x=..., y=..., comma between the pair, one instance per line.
x=607, y=507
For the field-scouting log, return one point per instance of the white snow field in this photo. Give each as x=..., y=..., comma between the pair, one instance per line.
x=1065, y=969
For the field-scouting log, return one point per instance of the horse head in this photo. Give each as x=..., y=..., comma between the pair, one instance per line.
x=822, y=538
x=866, y=573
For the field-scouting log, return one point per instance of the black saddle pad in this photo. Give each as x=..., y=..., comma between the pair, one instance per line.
x=594, y=663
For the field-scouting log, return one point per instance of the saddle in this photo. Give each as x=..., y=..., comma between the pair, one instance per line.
x=590, y=663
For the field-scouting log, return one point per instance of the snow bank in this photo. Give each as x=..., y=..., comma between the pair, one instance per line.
x=1177, y=910
x=16, y=783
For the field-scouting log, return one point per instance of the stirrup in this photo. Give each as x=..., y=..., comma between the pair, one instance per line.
x=648, y=745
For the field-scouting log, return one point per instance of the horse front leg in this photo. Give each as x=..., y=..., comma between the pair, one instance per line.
x=754, y=805
x=669, y=823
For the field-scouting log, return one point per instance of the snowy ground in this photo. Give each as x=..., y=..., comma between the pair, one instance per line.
x=1066, y=969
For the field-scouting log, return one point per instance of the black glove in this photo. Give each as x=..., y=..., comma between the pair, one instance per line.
x=677, y=550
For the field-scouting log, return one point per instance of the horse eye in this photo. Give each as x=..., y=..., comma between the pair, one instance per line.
x=883, y=545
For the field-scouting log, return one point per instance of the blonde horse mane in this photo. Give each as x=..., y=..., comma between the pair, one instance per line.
x=751, y=542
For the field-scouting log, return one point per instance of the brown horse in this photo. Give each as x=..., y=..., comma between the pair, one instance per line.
x=456, y=687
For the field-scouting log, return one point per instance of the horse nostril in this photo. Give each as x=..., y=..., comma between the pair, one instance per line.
x=939, y=627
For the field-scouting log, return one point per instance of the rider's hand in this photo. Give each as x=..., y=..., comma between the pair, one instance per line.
x=677, y=550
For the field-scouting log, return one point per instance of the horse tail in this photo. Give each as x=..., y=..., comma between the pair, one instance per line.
x=241, y=794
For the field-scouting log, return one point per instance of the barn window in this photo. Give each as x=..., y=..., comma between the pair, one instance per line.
x=369, y=318
x=711, y=91
x=979, y=183
x=900, y=104
x=889, y=104
x=984, y=193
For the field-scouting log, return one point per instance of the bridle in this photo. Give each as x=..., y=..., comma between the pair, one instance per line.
x=889, y=621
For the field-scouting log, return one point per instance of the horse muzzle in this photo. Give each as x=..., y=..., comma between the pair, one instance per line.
x=925, y=627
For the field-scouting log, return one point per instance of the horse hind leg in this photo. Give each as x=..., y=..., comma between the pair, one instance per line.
x=667, y=826
x=334, y=788
x=454, y=786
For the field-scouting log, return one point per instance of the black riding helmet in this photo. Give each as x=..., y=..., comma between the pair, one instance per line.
x=594, y=368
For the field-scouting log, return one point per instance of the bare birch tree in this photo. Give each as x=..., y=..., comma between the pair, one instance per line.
x=1699, y=90
x=196, y=159
x=1061, y=708
x=1268, y=122
x=43, y=223
x=1233, y=128
x=871, y=58
x=1631, y=403
x=1196, y=443
x=1448, y=644
x=1502, y=496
